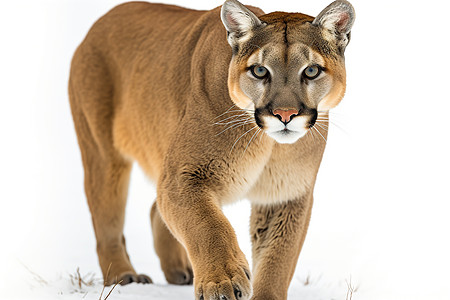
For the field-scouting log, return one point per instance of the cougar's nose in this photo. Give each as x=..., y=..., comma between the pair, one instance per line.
x=285, y=114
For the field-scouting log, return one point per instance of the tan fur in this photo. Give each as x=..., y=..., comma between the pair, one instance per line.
x=332, y=99
x=236, y=94
x=151, y=83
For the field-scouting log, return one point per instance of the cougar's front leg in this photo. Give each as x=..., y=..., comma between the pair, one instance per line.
x=277, y=232
x=194, y=217
x=172, y=255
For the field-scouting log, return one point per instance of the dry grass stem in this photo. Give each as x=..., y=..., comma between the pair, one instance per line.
x=350, y=290
x=36, y=276
x=104, y=284
x=80, y=280
x=110, y=291
x=307, y=280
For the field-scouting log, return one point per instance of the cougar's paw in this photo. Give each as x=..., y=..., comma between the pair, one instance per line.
x=127, y=278
x=229, y=282
x=180, y=277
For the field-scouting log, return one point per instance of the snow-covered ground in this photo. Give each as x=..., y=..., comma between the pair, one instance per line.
x=380, y=222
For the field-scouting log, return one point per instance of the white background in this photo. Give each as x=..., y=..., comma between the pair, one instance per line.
x=381, y=214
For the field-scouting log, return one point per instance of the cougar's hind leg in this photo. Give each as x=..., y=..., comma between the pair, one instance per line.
x=106, y=185
x=106, y=171
x=172, y=255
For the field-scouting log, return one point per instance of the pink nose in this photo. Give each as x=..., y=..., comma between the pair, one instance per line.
x=285, y=114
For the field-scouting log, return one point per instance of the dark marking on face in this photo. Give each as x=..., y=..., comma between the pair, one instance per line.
x=313, y=119
x=285, y=33
x=258, y=114
x=286, y=51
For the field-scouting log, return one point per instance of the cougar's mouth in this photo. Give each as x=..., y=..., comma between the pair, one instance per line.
x=285, y=131
x=286, y=136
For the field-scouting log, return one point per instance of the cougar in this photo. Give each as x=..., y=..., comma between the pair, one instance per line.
x=215, y=106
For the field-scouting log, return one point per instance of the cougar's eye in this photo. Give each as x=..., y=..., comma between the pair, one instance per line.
x=312, y=72
x=259, y=72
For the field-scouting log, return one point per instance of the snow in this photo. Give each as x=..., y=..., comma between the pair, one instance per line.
x=380, y=219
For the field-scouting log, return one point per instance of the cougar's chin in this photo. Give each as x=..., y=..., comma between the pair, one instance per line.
x=285, y=133
x=286, y=136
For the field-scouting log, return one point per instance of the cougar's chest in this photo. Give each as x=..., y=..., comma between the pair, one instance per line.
x=288, y=175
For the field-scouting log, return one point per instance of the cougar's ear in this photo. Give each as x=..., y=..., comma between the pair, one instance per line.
x=238, y=20
x=337, y=19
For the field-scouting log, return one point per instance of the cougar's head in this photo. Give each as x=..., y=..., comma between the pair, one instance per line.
x=287, y=67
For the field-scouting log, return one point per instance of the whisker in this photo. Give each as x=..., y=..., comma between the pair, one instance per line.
x=323, y=120
x=338, y=117
x=234, y=121
x=241, y=137
x=335, y=113
x=342, y=129
x=225, y=111
x=323, y=126
x=336, y=124
x=312, y=135
x=247, y=108
x=237, y=110
x=243, y=109
x=318, y=131
x=235, y=117
x=242, y=123
x=255, y=134
x=333, y=120
x=313, y=130
x=262, y=134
